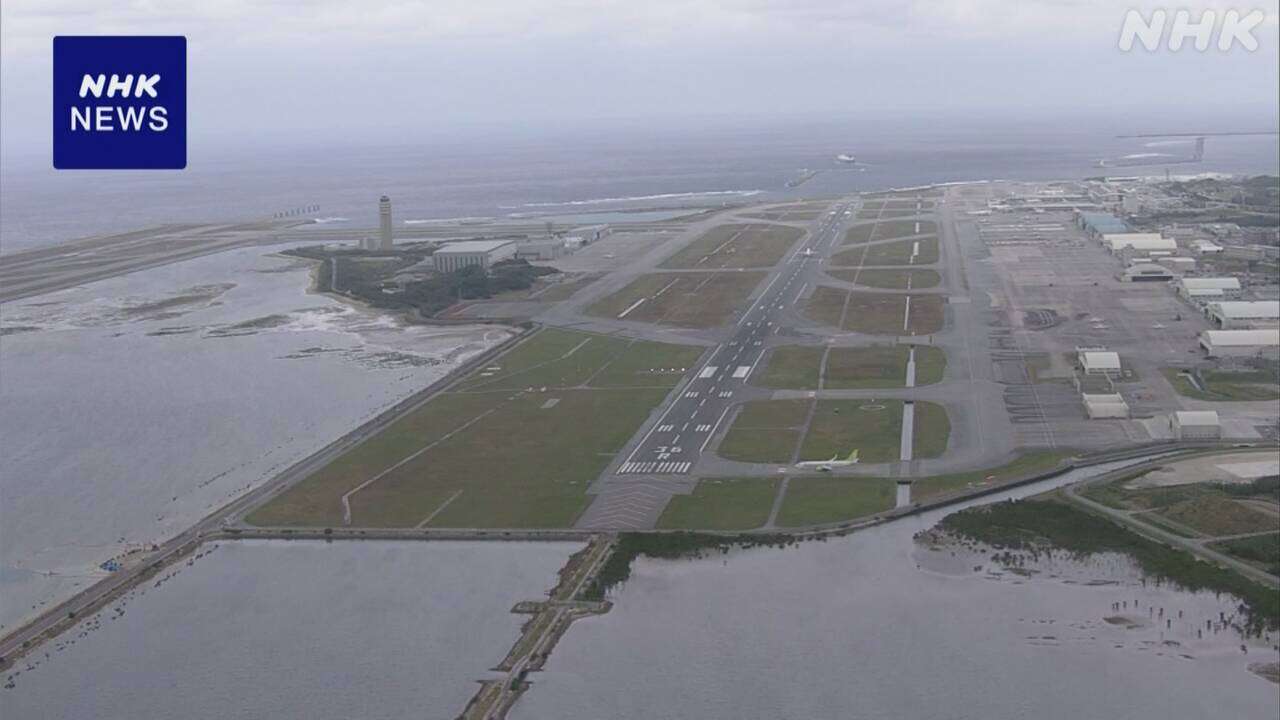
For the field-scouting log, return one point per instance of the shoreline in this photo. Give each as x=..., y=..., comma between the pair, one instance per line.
x=68, y=614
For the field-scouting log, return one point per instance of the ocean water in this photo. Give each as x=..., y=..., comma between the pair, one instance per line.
x=586, y=172
x=136, y=405
x=876, y=627
x=260, y=629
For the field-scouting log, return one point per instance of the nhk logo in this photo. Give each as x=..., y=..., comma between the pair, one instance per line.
x=119, y=102
x=1235, y=29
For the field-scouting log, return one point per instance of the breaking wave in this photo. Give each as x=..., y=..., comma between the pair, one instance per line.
x=639, y=198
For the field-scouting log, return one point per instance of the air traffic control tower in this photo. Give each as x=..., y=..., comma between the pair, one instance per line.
x=384, y=223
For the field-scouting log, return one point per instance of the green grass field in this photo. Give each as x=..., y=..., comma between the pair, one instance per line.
x=1226, y=386
x=931, y=432
x=736, y=246
x=765, y=431
x=787, y=216
x=796, y=367
x=820, y=500
x=860, y=234
x=791, y=367
x=886, y=229
x=889, y=279
x=896, y=253
x=876, y=313
x=909, y=204
x=1262, y=551
x=696, y=300
x=873, y=428
x=1028, y=464
x=722, y=504
x=1216, y=516
x=882, y=366
x=488, y=454
x=826, y=305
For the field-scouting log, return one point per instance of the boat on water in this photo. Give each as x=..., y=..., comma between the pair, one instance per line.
x=847, y=158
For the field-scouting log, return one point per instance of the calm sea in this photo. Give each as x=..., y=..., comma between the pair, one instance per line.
x=588, y=172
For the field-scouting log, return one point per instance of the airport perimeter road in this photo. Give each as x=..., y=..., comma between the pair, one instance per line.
x=1197, y=547
x=674, y=443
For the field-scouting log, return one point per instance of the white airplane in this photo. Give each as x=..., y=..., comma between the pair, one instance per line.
x=808, y=252
x=826, y=465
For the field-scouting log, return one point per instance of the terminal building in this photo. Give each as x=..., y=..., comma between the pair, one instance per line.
x=1099, y=223
x=457, y=255
x=1241, y=343
x=1244, y=314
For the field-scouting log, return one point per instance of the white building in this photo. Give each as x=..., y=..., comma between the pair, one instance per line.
x=1105, y=405
x=592, y=233
x=1204, y=247
x=1240, y=343
x=1203, y=296
x=1138, y=242
x=1226, y=284
x=1196, y=425
x=1244, y=314
x=1178, y=264
x=457, y=255
x=1099, y=362
x=540, y=250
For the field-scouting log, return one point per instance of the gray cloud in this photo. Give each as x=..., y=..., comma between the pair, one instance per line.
x=397, y=67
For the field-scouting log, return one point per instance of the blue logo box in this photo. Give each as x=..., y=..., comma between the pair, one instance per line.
x=119, y=102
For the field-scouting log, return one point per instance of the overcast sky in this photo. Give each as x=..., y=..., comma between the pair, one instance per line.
x=400, y=69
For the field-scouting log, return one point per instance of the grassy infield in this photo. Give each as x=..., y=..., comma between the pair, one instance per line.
x=512, y=464
x=703, y=299
x=875, y=313
x=1226, y=386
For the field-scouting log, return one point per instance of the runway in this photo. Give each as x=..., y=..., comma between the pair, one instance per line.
x=674, y=443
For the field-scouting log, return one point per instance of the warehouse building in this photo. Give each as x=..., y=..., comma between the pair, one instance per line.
x=1178, y=265
x=1203, y=296
x=1227, y=287
x=1138, y=242
x=455, y=256
x=1204, y=247
x=1196, y=425
x=1099, y=362
x=1244, y=314
x=1104, y=406
x=1240, y=343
